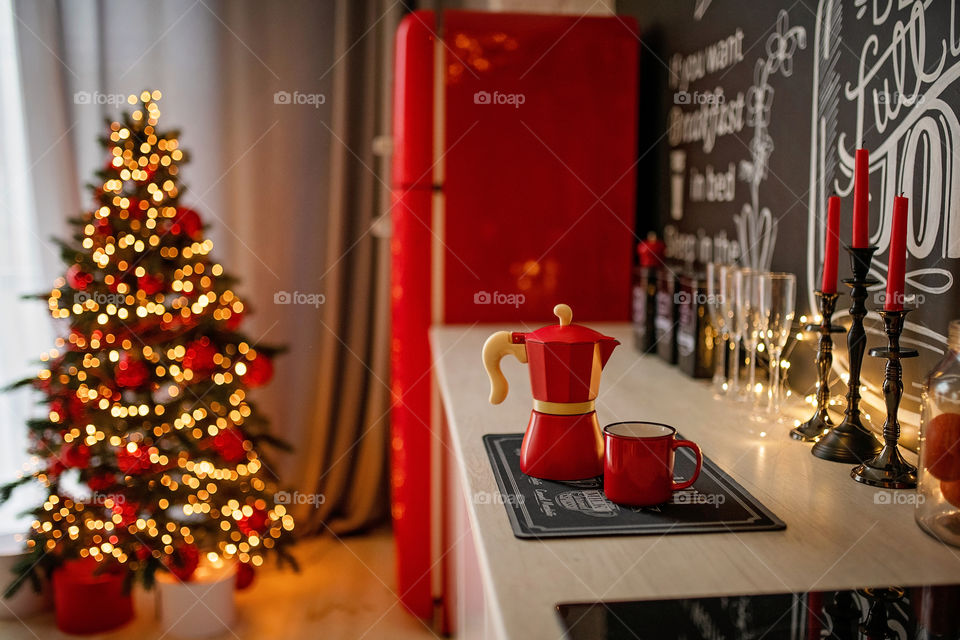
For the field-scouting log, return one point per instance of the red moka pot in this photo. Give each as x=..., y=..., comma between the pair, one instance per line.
x=563, y=439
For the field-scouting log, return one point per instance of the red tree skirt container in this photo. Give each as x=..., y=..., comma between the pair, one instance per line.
x=86, y=602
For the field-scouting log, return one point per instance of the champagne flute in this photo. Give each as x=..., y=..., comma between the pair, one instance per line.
x=731, y=310
x=716, y=292
x=777, y=307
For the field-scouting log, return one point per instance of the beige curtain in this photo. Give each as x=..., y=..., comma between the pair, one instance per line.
x=290, y=192
x=347, y=456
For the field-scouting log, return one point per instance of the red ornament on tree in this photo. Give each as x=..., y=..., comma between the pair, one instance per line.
x=103, y=226
x=75, y=456
x=55, y=468
x=58, y=410
x=229, y=444
x=133, y=462
x=257, y=522
x=135, y=211
x=199, y=357
x=259, y=371
x=77, y=278
x=233, y=322
x=173, y=324
x=101, y=480
x=76, y=409
x=187, y=222
x=130, y=373
x=127, y=510
x=150, y=284
x=184, y=561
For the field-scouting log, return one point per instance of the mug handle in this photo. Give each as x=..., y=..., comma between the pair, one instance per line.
x=696, y=473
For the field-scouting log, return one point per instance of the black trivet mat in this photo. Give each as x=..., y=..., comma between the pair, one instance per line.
x=546, y=509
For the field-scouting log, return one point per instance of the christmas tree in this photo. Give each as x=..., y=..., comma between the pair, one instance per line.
x=150, y=451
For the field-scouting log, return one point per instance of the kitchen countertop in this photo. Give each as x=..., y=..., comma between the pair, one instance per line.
x=840, y=534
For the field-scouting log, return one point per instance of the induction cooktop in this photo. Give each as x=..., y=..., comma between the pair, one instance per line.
x=902, y=613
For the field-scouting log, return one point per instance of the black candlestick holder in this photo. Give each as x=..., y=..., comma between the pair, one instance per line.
x=851, y=440
x=818, y=424
x=888, y=469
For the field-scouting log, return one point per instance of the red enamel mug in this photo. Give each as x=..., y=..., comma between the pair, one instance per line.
x=638, y=463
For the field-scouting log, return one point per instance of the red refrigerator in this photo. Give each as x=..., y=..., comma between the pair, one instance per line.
x=514, y=189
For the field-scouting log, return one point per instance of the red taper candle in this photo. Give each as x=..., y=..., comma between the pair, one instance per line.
x=831, y=246
x=861, y=199
x=896, y=265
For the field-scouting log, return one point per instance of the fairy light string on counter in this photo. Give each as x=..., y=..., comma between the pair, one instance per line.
x=148, y=411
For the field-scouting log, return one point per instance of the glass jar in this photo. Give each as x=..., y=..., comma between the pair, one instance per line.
x=938, y=506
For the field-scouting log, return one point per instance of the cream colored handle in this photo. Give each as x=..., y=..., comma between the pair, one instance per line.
x=498, y=345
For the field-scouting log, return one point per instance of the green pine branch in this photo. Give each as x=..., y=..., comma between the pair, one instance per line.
x=27, y=568
x=7, y=489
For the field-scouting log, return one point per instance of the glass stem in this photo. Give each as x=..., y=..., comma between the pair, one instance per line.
x=775, y=381
x=771, y=377
x=735, y=368
x=753, y=372
x=719, y=370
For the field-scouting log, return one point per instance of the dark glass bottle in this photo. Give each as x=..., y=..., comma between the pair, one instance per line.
x=650, y=255
x=665, y=321
x=694, y=335
x=644, y=308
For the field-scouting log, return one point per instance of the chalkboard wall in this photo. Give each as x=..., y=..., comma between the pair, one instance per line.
x=752, y=112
